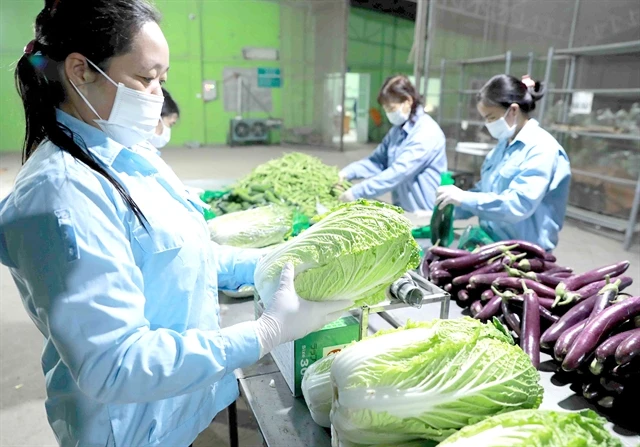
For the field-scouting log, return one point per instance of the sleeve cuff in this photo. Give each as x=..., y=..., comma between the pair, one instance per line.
x=358, y=191
x=241, y=345
x=469, y=201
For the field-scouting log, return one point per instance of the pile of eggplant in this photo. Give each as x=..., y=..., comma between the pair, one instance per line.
x=582, y=320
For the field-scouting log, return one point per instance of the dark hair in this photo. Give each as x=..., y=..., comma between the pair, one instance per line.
x=170, y=106
x=97, y=29
x=504, y=90
x=399, y=88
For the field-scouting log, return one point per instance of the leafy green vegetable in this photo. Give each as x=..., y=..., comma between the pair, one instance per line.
x=254, y=228
x=428, y=380
x=317, y=391
x=296, y=179
x=354, y=253
x=536, y=428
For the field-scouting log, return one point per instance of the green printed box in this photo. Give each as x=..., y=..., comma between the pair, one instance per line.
x=294, y=358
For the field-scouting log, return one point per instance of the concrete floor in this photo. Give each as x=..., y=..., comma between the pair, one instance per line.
x=22, y=416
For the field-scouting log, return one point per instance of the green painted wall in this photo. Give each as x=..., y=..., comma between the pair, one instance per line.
x=16, y=30
x=204, y=35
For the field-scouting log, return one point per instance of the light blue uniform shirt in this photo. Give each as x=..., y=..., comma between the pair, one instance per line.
x=134, y=354
x=523, y=189
x=408, y=162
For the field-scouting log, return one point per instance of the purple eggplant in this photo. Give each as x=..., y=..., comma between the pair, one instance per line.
x=628, y=370
x=517, y=284
x=607, y=350
x=530, y=339
x=628, y=349
x=550, y=257
x=463, y=296
x=440, y=276
x=491, y=309
x=598, y=328
x=611, y=385
x=463, y=280
x=576, y=314
x=487, y=278
x=589, y=277
x=476, y=308
x=563, y=275
x=525, y=246
x=544, y=312
x=487, y=295
x=447, y=253
x=512, y=319
x=471, y=260
x=566, y=340
x=604, y=298
x=588, y=290
x=547, y=280
x=530, y=265
x=557, y=270
x=448, y=287
x=425, y=267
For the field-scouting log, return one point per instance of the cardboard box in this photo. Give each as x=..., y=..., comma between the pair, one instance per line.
x=294, y=358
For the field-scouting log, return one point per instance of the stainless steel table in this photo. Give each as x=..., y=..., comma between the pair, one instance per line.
x=284, y=420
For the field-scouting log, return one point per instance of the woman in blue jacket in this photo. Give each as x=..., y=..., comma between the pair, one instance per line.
x=111, y=257
x=524, y=183
x=409, y=161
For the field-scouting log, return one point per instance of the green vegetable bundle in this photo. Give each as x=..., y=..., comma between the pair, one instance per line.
x=297, y=180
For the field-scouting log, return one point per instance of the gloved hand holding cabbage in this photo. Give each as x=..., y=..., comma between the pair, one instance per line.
x=353, y=253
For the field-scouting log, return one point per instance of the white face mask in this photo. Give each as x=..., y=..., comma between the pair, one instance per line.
x=134, y=116
x=499, y=129
x=160, y=141
x=398, y=117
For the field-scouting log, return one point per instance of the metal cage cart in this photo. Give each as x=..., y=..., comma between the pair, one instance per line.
x=602, y=183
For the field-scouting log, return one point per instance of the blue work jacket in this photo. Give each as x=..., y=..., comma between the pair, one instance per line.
x=133, y=350
x=523, y=189
x=408, y=163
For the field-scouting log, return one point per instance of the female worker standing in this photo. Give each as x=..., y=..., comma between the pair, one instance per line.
x=168, y=118
x=111, y=258
x=524, y=184
x=409, y=161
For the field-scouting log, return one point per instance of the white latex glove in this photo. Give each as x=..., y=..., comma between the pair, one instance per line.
x=347, y=196
x=289, y=317
x=342, y=176
x=449, y=195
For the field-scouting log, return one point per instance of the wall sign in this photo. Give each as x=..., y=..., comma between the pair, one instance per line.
x=269, y=78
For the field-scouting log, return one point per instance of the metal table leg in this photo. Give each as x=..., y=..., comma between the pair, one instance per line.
x=232, y=411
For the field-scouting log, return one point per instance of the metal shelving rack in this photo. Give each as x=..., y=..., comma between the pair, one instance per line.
x=507, y=57
x=595, y=51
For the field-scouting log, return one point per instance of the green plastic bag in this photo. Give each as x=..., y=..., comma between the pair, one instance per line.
x=473, y=237
x=300, y=223
x=208, y=196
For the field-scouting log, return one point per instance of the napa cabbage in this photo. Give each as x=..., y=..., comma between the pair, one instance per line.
x=317, y=391
x=254, y=228
x=536, y=428
x=353, y=253
x=428, y=380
